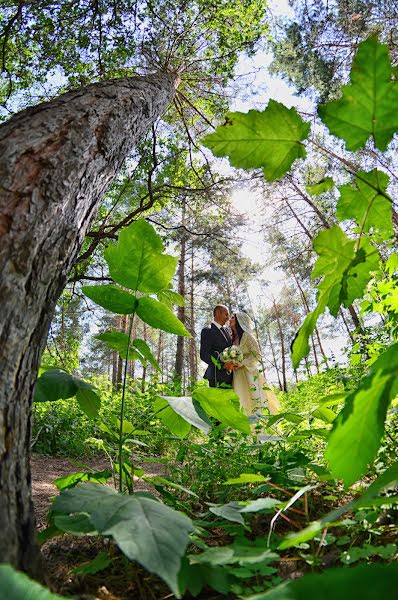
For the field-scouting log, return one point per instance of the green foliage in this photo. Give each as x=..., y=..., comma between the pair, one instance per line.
x=20, y=587
x=271, y=140
x=370, y=497
x=367, y=107
x=144, y=529
x=224, y=406
x=322, y=186
x=173, y=421
x=137, y=260
x=169, y=407
x=359, y=427
x=367, y=203
x=55, y=384
x=157, y=315
x=365, y=582
x=112, y=298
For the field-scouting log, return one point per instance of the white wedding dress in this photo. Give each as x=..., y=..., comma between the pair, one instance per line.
x=249, y=382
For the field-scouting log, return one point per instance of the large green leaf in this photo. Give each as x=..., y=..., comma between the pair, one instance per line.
x=367, y=202
x=190, y=411
x=137, y=260
x=222, y=404
x=63, y=483
x=18, y=586
x=270, y=139
x=359, y=427
x=88, y=400
x=345, y=267
x=117, y=340
x=365, y=582
x=54, y=385
x=157, y=315
x=145, y=530
x=301, y=346
x=173, y=421
x=112, y=298
x=145, y=350
x=368, y=106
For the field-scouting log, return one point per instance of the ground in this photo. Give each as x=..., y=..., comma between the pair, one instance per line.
x=123, y=580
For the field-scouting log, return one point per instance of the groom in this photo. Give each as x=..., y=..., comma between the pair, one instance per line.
x=213, y=340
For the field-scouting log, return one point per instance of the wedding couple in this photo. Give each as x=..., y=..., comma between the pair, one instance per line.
x=246, y=378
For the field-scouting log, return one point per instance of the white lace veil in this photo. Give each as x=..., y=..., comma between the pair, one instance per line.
x=245, y=322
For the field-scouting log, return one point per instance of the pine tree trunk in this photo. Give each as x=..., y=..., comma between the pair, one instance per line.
x=179, y=362
x=283, y=350
x=193, y=358
x=56, y=161
x=274, y=359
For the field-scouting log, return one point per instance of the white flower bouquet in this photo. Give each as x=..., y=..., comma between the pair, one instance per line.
x=233, y=355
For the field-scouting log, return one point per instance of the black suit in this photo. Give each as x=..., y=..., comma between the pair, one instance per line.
x=212, y=343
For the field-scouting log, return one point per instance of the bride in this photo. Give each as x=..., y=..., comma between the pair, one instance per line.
x=248, y=381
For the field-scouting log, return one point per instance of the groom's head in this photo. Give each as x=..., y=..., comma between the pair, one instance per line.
x=221, y=314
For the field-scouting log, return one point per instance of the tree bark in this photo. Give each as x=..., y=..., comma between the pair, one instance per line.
x=56, y=161
x=193, y=359
x=283, y=350
x=179, y=362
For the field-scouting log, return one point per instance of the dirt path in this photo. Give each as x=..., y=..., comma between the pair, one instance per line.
x=46, y=468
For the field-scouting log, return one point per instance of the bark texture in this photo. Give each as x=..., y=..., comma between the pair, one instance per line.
x=56, y=161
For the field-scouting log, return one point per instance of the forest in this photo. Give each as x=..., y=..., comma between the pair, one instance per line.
x=168, y=168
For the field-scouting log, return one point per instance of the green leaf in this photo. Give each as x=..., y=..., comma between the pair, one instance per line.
x=112, y=298
x=190, y=411
x=300, y=346
x=223, y=405
x=270, y=139
x=145, y=530
x=229, y=511
x=260, y=504
x=145, y=350
x=53, y=385
x=333, y=399
x=137, y=260
x=214, y=556
x=171, y=298
x=322, y=186
x=88, y=400
x=78, y=524
x=99, y=563
x=63, y=483
x=246, y=478
x=117, y=340
x=368, y=104
x=392, y=264
x=324, y=414
x=367, y=582
x=359, y=427
x=345, y=270
x=18, y=586
x=157, y=315
x=172, y=420
x=367, y=202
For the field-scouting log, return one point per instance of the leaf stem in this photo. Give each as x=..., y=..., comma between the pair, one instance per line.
x=122, y=409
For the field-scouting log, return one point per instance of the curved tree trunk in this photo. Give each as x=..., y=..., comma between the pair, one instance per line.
x=56, y=161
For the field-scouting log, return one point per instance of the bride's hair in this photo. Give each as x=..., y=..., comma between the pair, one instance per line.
x=239, y=330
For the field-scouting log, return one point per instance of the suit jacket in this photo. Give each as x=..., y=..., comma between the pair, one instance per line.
x=212, y=343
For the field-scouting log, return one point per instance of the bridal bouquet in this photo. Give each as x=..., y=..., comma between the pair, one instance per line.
x=232, y=354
